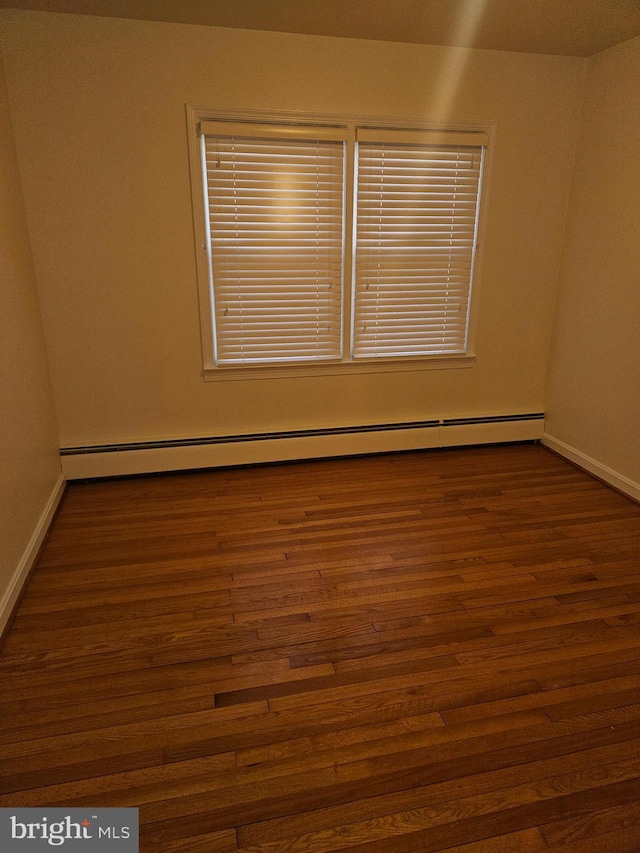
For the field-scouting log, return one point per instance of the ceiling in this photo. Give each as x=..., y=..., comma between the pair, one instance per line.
x=567, y=27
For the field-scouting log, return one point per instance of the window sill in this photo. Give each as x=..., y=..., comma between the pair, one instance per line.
x=342, y=368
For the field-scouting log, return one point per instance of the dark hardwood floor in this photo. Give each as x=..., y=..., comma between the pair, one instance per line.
x=415, y=652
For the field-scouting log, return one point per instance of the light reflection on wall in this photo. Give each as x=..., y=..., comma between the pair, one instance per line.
x=456, y=59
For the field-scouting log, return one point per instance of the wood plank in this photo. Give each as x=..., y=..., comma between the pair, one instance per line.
x=525, y=841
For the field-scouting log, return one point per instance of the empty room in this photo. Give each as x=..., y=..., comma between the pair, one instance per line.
x=320, y=426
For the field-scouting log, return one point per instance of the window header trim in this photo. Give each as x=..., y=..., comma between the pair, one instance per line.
x=251, y=130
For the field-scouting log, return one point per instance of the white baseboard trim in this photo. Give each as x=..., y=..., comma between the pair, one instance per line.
x=602, y=472
x=119, y=462
x=12, y=593
x=179, y=455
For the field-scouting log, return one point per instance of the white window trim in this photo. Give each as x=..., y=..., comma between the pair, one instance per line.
x=211, y=372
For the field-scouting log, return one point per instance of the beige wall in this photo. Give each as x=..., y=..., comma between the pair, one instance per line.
x=594, y=380
x=29, y=465
x=99, y=113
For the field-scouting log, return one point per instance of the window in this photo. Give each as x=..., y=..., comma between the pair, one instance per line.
x=276, y=213
x=417, y=205
x=335, y=245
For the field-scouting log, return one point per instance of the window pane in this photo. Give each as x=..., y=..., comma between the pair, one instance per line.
x=415, y=241
x=275, y=209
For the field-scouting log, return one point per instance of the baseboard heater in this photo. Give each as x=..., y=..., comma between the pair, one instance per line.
x=109, y=460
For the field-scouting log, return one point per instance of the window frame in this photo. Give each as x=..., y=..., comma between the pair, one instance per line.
x=347, y=364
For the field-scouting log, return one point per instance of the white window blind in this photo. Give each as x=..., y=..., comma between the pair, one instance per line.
x=417, y=204
x=275, y=208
